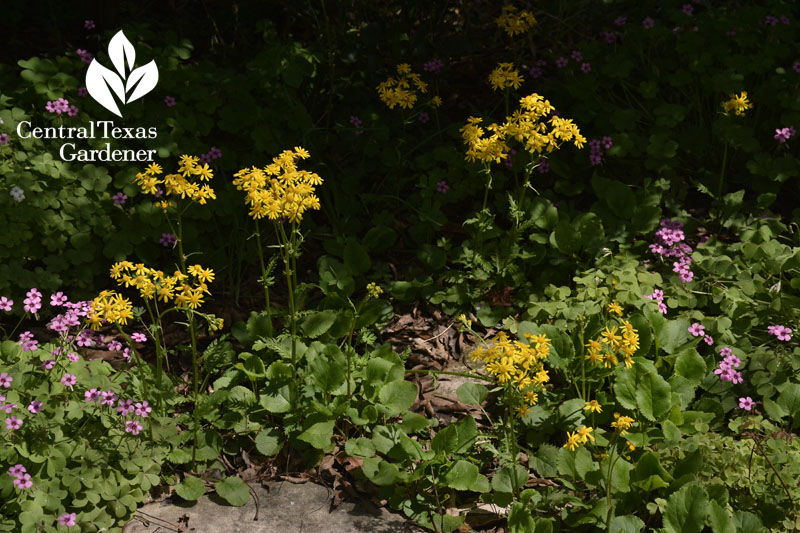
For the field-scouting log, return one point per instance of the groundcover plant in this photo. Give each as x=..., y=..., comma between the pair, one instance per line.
x=527, y=267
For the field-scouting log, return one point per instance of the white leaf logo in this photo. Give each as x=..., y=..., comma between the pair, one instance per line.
x=127, y=84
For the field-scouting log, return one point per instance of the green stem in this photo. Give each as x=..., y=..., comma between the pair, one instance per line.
x=264, y=278
x=722, y=172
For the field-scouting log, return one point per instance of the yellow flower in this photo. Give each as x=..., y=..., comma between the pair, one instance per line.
x=739, y=104
x=622, y=423
x=280, y=189
x=374, y=290
x=585, y=434
x=154, y=168
x=403, y=90
x=615, y=308
x=523, y=410
x=610, y=336
x=514, y=22
x=436, y=101
x=573, y=441
x=593, y=406
x=505, y=76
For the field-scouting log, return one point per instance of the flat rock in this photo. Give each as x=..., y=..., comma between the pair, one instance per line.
x=283, y=507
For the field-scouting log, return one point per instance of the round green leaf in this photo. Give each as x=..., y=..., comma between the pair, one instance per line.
x=234, y=491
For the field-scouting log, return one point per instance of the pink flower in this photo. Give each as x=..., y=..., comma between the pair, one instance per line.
x=67, y=519
x=143, y=410
x=83, y=92
x=442, y=187
x=708, y=339
x=114, y=346
x=168, y=239
x=170, y=101
x=561, y=62
x=5, y=304
x=58, y=299
x=13, y=423
x=133, y=426
x=120, y=198
x=69, y=380
x=85, y=56
x=23, y=481
x=424, y=117
x=109, y=398
x=746, y=403
x=434, y=65
x=688, y=9
x=27, y=341
x=72, y=356
x=696, y=329
x=782, y=332
x=4, y=138
x=35, y=406
x=89, y=25
x=577, y=56
x=139, y=337
x=5, y=380
x=648, y=23
x=357, y=124
x=92, y=395
x=32, y=301
x=16, y=470
x=620, y=21
x=125, y=407
x=586, y=68
x=47, y=365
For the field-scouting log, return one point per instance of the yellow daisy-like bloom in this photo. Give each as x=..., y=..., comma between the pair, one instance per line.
x=526, y=125
x=402, y=91
x=111, y=307
x=738, y=103
x=280, y=190
x=622, y=423
x=505, y=76
x=614, y=307
x=374, y=290
x=573, y=441
x=514, y=21
x=585, y=434
x=178, y=184
x=152, y=284
x=593, y=406
x=436, y=101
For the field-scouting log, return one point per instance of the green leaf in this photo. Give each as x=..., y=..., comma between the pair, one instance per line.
x=686, y=509
x=356, y=258
x=380, y=472
x=626, y=524
x=719, y=519
x=360, y=447
x=503, y=479
x=234, y=491
x=318, y=323
x=520, y=519
x=672, y=434
x=398, y=396
x=328, y=369
x=472, y=393
x=191, y=488
x=690, y=365
x=269, y=441
x=461, y=475
x=789, y=398
x=642, y=388
x=675, y=333
x=319, y=435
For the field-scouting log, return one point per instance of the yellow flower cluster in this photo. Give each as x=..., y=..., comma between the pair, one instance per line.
x=614, y=342
x=517, y=363
x=576, y=438
x=525, y=125
x=622, y=423
x=514, y=21
x=374, y=290
x=178, y=184
x=504, y=76
x=280, y=189
x=110, y=306
x=739, y=104
x=184, y=290
x=403, y=90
